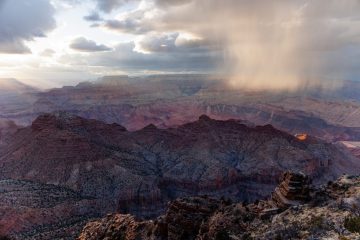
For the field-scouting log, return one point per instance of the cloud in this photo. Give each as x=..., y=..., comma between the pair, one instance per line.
x=135, y=22
x=93, y=17
x=110, y=5
x=126, y=26
x=169, y=3
x=157, y=43
x=124, y=58
x=72, y=2
x=15, y=47
x=47, y=53
x=95, y=25
x=22, y=21
x=277, y=44
x=173, y=43
x=265, y=44
x=84, y=45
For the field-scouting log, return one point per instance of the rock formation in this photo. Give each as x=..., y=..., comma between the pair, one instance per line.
x=117, y=227
x=7, y=128
x=206, y=218
x=31, y=210
x=173, y=100
x=185, y=216
x=139, y=172
x=294, y=189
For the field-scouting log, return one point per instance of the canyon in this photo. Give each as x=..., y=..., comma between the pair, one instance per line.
x=130, y=146
x=64, y=170
x=173, y=100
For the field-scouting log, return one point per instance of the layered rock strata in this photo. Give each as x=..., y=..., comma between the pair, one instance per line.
x=293, y=190
x=325, y=217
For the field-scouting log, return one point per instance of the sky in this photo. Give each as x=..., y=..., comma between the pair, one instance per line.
x=254, y=43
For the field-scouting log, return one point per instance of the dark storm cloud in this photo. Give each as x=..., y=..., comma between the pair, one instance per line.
x=84, y=45
x=270, y=44
x=274, y=43
x=22, y=21
x=124, y=58
x=182, y=61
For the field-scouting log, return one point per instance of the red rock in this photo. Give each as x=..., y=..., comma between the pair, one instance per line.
x=139, y=172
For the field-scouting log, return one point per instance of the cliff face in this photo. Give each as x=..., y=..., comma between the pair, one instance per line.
x=6, y=128
x=331, y=212
x=139, y=172
x=165, y=104
x=168, y=101
x=32, y=210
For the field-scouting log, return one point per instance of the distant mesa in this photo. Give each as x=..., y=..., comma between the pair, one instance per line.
x=204, y=118
x=12, y=84
x=150, y=127
x=173, y=100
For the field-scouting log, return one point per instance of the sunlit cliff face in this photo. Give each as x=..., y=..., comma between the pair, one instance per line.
x=301, y=136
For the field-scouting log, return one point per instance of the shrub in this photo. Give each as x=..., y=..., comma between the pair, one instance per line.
x=317, y=222
x=222, y=235
x=343, y=238
x=247, y=236
x=352, y=224
x=278, y=237
x=4, y=238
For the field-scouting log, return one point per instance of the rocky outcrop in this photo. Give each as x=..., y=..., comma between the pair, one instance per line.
x=185, y=216
x=204, y=218
x=117, y=227
x=293, y=190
